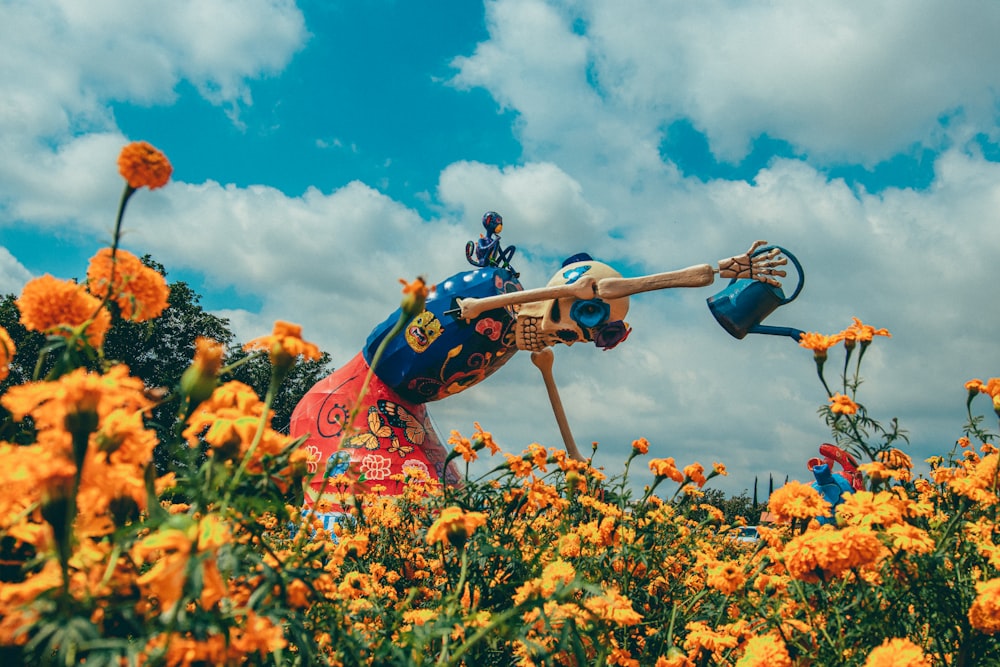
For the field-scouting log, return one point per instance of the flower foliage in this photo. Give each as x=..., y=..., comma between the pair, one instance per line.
x=546, y=560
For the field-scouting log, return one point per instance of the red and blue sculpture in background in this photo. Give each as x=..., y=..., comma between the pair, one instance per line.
x=472, y=325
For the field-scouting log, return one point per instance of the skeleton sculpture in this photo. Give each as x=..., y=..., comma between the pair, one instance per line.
x=472, y=324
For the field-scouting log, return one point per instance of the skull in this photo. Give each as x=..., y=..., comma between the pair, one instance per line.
x=570, y=320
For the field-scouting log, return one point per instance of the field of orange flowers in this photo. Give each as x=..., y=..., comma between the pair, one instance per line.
x=546, y=561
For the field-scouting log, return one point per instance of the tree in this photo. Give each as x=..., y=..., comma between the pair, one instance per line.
x=732, y=507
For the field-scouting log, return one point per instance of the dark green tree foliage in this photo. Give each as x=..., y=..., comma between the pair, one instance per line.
x=732, y=507
x=159, y=351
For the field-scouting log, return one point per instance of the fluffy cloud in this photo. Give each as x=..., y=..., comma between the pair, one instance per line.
x=844, y=82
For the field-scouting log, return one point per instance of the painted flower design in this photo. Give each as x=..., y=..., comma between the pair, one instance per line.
x=314, y=458
x=375, y=466
x=489, y=327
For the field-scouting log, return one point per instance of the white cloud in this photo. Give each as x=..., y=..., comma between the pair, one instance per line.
x=64, y=60
x=848, y=81
x=13, y=275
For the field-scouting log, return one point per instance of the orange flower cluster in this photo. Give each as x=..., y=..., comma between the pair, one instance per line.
x=140, y=292
x=142, y=165
x=284, y=345
x=897, y=652
x=826, y=553
x=7, y=352
x=796, y=500
x=63, y=307
x=454, y=526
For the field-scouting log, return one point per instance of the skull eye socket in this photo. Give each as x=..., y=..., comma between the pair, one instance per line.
x=591, y=313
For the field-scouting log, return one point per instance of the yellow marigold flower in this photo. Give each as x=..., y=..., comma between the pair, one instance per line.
x=796, y=500
x=696, y=473
x=555, y=573
x=140, y=292
x=910, y=538
x=727, y=578
x=54, y=306
x=864, y=508
x=666, y=468
x=640, y=446
x=7, y=351
x=140, y=164
x=765, y=651
x=818, y=343
x=419, y=616
x=897, y=653
x=841, y=404
x=569, y=545
x=613, y=607
x=284, y=345
x=720, y=469
x=454, y=525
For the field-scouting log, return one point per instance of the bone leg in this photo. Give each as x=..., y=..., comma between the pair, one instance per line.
x=543, y=360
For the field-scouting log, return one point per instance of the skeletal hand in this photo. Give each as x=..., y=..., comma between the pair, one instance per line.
x=762, y=267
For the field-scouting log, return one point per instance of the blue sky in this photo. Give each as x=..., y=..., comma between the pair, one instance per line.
x=324, y=149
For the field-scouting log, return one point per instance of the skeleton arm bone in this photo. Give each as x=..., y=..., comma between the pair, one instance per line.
x=763, y=267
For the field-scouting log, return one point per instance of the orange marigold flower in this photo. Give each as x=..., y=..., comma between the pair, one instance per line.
x=696, y=473
x=556, y=573
x=796, y=500
x=7, y=351
x=257, y=634
x=666, y=468
x=828, y=552
x=140, y=164
x=462, y=446
x=485, y=438
x=984, y=614
x=613, y=607
x=974, y=386
x=765, y=651
x=897, y=652
x=140, y=292
x=720, y=469
x=454, y=525
x=727, y=578
x=863, y=332
x=991, y=388
x=841, y=404
x=640, y=446
x=818, y=343
x=414, y=296
x=284, y=345
x=910, y=538
x=54, y=306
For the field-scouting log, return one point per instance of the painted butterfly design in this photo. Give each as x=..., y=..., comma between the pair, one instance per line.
x=377, y=428
x=400, y=417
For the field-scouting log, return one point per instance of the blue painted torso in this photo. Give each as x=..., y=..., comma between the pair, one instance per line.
x=438, y=355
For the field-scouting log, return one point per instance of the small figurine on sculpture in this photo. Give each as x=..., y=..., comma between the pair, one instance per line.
x=472, y=324
x=834, y=486
x=487, y=251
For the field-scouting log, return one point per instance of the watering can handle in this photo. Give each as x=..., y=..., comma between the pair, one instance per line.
x=795, y=263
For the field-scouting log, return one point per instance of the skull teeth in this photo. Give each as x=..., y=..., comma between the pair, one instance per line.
x=527, y=336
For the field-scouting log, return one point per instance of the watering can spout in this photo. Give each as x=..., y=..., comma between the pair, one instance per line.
x=744, y=303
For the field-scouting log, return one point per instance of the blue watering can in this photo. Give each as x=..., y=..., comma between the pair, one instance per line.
x=744, y=303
